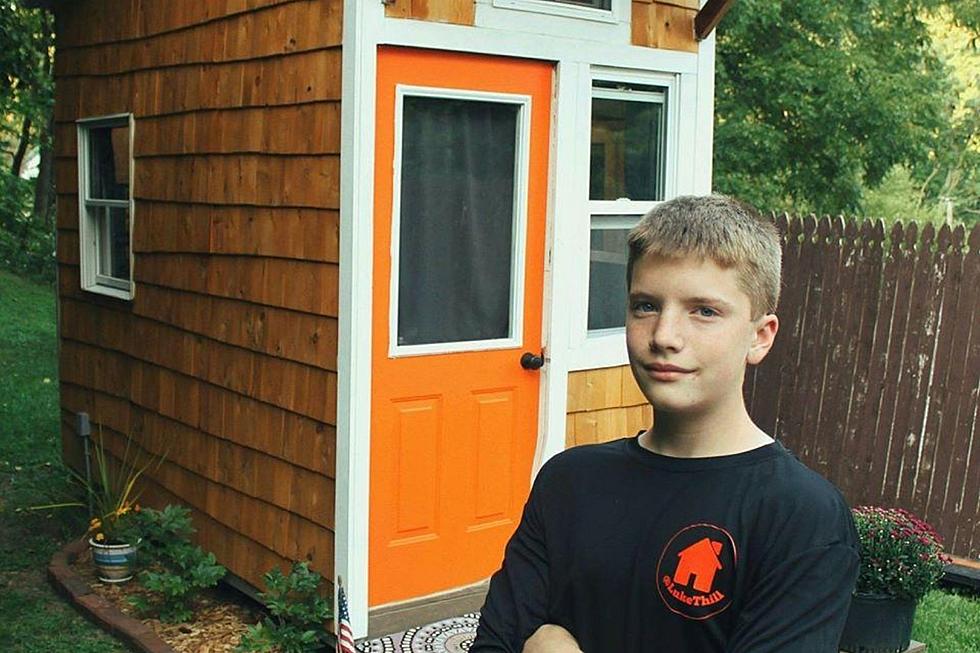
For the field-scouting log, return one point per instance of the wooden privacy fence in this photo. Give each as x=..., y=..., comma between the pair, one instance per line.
x=874, y=377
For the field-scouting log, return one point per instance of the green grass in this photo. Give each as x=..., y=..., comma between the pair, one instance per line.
x=34, y=618
x=948, y=623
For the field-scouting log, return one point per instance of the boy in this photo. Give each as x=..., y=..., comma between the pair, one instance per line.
x=702, y=534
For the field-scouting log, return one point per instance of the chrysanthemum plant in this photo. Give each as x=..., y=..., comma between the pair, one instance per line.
x=901, y=555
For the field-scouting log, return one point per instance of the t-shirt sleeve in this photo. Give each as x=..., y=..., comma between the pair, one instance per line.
x=517, y=600
x=800, y=605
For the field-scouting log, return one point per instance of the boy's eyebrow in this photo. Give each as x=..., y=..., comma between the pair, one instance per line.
x=690, y=300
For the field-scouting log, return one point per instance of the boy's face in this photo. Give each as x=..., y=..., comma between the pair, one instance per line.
x=692, y=314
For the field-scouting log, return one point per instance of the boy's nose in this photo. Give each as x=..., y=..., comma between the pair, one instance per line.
x=666, y=331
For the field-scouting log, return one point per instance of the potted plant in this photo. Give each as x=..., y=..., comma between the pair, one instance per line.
x=901, y=560
x=114, y=500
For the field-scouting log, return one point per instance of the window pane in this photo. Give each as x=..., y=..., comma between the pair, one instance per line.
x=627, y=149
x=607, y=277
x=113, y=239
x=598, y=4
x=456, y=220
x=108, y=162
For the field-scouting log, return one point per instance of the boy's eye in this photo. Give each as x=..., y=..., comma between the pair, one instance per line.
x=643, y=307
x=710, y=311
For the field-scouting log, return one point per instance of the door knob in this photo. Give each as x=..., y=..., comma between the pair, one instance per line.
x=531, y=361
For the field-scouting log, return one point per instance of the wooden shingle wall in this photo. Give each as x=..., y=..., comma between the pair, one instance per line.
x=603, y=405
x=667, y=24
x=226, y=359
x=459, y=12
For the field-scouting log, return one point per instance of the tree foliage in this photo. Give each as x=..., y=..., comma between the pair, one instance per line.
x=26, y=104
x=817, y=101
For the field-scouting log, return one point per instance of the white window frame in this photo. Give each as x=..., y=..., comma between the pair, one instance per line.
x=88, y=229
x=607, y=347
x=543, y=17
x=558, y=8
x=515, y=338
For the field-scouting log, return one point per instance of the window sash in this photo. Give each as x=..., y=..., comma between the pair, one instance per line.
x=592, y=4
x=592, y=10
x=618, y=143
x=519, y=226
x=94, y=213
x=598, y=298
x=625, y=213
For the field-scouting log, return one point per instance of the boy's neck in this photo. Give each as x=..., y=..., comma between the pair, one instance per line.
x=704, y=436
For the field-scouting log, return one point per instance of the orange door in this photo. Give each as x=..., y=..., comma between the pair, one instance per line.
x=460, y=209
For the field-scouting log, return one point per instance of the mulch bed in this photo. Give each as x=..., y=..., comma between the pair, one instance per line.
x=221, y=615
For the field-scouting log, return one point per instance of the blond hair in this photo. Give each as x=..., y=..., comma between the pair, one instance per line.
x=729, y=232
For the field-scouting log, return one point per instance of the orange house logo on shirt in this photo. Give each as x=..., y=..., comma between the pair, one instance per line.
x=696, y=572
x=700, y=561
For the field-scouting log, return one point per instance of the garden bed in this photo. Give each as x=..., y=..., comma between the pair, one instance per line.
x=220, y=618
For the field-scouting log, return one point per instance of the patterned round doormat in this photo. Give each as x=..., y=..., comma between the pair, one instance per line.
x=448, y=636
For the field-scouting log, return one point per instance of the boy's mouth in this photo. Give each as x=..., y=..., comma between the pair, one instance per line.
x=664, y=367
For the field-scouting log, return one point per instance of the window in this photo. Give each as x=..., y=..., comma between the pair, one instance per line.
x=596, y=4
x=105, y=171
x=627, y=176
x=459, y=220
x=603, y=11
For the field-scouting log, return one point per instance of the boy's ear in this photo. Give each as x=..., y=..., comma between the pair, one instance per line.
x=765, y=334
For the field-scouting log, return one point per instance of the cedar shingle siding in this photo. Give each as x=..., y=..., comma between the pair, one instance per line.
x=227, y=357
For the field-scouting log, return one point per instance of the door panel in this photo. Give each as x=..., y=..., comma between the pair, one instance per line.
x=460, y=195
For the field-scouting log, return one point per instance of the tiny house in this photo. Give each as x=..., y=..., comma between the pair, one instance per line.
x=358, y=266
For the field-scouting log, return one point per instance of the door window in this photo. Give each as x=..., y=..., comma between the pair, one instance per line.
x=458, y=211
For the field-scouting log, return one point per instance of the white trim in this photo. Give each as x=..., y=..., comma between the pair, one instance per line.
x=90, y=250
x=610, y=52
x=624, y=220
x=646, y=97
x=620, y=207
x=558, y=287
x=522, y=134
x=539, y=18
x=359, y=66
x=556, y=8
x=431, y=349
x=704, y=121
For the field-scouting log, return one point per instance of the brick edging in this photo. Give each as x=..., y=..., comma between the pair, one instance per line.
x=105, y=615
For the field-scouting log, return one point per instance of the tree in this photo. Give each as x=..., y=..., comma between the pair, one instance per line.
x=26, y=109
x=817, y=100
x=949, y=177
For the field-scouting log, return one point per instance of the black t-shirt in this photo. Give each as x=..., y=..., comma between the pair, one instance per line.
x=634, y=551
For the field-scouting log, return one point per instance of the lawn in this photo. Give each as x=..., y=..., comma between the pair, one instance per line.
x=948, y=623
x=35, y=619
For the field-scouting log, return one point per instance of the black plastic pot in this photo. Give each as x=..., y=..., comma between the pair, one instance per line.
x=878, y=623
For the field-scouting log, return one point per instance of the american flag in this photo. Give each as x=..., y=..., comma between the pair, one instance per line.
x=345, y=636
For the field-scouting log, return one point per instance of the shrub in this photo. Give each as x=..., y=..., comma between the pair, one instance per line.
x=297, y=613
x=27, y=243
x=176, y=569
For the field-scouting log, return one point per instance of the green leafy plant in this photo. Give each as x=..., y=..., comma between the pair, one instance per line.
x=297, y=610
x=901, y=555
x=176, y=570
